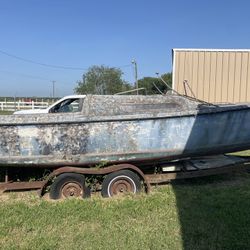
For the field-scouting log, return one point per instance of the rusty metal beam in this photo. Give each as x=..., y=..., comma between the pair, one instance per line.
x=15, y=186
x=147, y=178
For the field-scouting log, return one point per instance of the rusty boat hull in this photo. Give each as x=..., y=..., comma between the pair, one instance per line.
x=116, y=129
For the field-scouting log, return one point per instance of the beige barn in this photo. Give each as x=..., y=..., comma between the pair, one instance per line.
x=213, y=75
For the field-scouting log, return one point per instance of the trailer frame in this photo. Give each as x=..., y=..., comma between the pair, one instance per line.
x=188, y=169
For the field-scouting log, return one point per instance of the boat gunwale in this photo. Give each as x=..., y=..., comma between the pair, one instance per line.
x=78, y=117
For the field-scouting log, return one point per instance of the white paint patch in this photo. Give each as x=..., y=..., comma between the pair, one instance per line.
x=26, y=136
x=47, y=136
x=24, y=132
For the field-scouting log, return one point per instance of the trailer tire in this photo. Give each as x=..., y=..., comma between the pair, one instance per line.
x=69, y=185
x=120, y=182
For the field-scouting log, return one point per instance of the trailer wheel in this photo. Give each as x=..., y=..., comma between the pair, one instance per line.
x=120, y=182
x=69, y=185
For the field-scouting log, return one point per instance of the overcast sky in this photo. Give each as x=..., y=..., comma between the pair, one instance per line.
x=37, y=35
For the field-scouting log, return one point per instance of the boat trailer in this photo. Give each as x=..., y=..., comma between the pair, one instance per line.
x=163, y=172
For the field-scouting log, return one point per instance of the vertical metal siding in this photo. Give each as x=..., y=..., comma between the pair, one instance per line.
x=213, y=75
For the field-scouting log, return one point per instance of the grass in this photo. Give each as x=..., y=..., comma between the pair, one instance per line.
x=2, y=112
x=202, y=213
x=127, y=223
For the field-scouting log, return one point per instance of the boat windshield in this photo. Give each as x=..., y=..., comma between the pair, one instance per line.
x=68, y=105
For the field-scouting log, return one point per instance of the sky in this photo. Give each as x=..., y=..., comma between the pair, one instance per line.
x=58, y=40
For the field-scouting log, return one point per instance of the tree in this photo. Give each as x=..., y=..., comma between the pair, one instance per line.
x=102, y=80
x=152, y=83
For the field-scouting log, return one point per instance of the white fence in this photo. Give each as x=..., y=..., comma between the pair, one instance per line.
x=20, y=105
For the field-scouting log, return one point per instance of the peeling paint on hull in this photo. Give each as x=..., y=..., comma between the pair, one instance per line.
x=87, y=141
x=123, y=140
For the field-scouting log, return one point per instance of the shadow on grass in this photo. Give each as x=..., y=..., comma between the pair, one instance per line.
x=214, y=211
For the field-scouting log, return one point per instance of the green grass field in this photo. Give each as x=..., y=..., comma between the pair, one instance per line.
x=202, y=213
x=5, y=112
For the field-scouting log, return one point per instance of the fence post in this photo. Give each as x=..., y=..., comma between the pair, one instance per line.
x=32, y=104
x=14, y=103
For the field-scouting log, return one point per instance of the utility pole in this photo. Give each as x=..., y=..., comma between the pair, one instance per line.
x=53, y=89
x=136, y=75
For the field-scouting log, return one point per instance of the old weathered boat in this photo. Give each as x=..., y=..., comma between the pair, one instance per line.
x=123, y=129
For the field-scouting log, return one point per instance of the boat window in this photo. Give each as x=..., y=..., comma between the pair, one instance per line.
x=68, y=105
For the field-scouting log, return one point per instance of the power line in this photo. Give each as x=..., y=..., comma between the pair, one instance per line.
x=33, y=77
x=25, y=75
x=39, y=63
x=51, y=65
x=124, y=66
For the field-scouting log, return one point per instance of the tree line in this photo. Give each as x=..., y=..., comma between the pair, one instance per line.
x=103, y=80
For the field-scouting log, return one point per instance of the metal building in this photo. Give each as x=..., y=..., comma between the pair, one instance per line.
x=213, y=75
